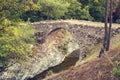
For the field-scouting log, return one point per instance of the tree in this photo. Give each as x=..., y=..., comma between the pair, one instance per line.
x=106, y=25
x=13, y=9
x=96, y=8
x=116, y=12
x=76, y=11
x=85, y=14
x=110, y=25
x=30, y=5
x=54, y=8
x=107, y=34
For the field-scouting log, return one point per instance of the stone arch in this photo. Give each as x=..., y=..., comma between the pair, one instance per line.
x=41, y=36
x=54, y=29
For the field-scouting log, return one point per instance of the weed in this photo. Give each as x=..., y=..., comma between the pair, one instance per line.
x=49, y=72
x=116, y=69
x=64, y=49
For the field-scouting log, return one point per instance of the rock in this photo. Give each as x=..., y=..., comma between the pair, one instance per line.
x=58, y=45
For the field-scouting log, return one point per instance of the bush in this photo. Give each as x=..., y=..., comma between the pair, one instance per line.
x=85, y=15
x=118, y=21
x=5, y=22
x=33, y=16
x=116, y=70
x=15, y=42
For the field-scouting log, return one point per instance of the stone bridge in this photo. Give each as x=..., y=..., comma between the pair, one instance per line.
x=87, y=36
x=81, y=32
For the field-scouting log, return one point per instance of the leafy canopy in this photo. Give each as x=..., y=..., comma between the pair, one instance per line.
x=54, y=8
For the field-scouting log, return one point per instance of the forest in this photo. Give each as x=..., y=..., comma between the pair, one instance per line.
x=37, y=10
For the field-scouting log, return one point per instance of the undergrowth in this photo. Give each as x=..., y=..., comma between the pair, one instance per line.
x=15, y=41
x=116, y=70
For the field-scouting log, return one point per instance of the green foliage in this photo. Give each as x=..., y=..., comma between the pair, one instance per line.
x=36, y=10
x=73, y=10
x=50, y=72
x=12, y=10
x=54, y=8
x=116, y=70
x=64, y=49
x=116, y=13
x=15, y=42
x=96, y=8
x=33, y=16
x=85, y=15
x=66, y=9
x=118, y=21
x=5, y=22
x=30, y=5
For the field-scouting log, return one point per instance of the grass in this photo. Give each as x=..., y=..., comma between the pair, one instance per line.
x=95, y=49
x=116, y=70
x=115, y=43
x=93, y=54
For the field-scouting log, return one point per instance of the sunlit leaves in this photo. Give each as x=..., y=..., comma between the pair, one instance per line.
x=54, y=8
x=15, y=40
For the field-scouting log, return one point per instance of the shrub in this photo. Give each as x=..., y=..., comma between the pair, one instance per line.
x=116, y=70
x=15, y=42
x=5, y=22
x=50, y=72
x=118, y=21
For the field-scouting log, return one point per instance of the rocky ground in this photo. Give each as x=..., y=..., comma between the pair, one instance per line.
x=96, y=69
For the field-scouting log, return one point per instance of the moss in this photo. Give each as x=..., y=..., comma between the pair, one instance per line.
x=64, y=48
x=50, y=72
x=64, y=31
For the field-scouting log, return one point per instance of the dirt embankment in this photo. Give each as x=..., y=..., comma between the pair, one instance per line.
x=96, y=69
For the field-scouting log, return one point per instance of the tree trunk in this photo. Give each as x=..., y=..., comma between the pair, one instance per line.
x=106, y=26
x=106, y=30
x=107, y=34
x=48, y=16
x=110, y=25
